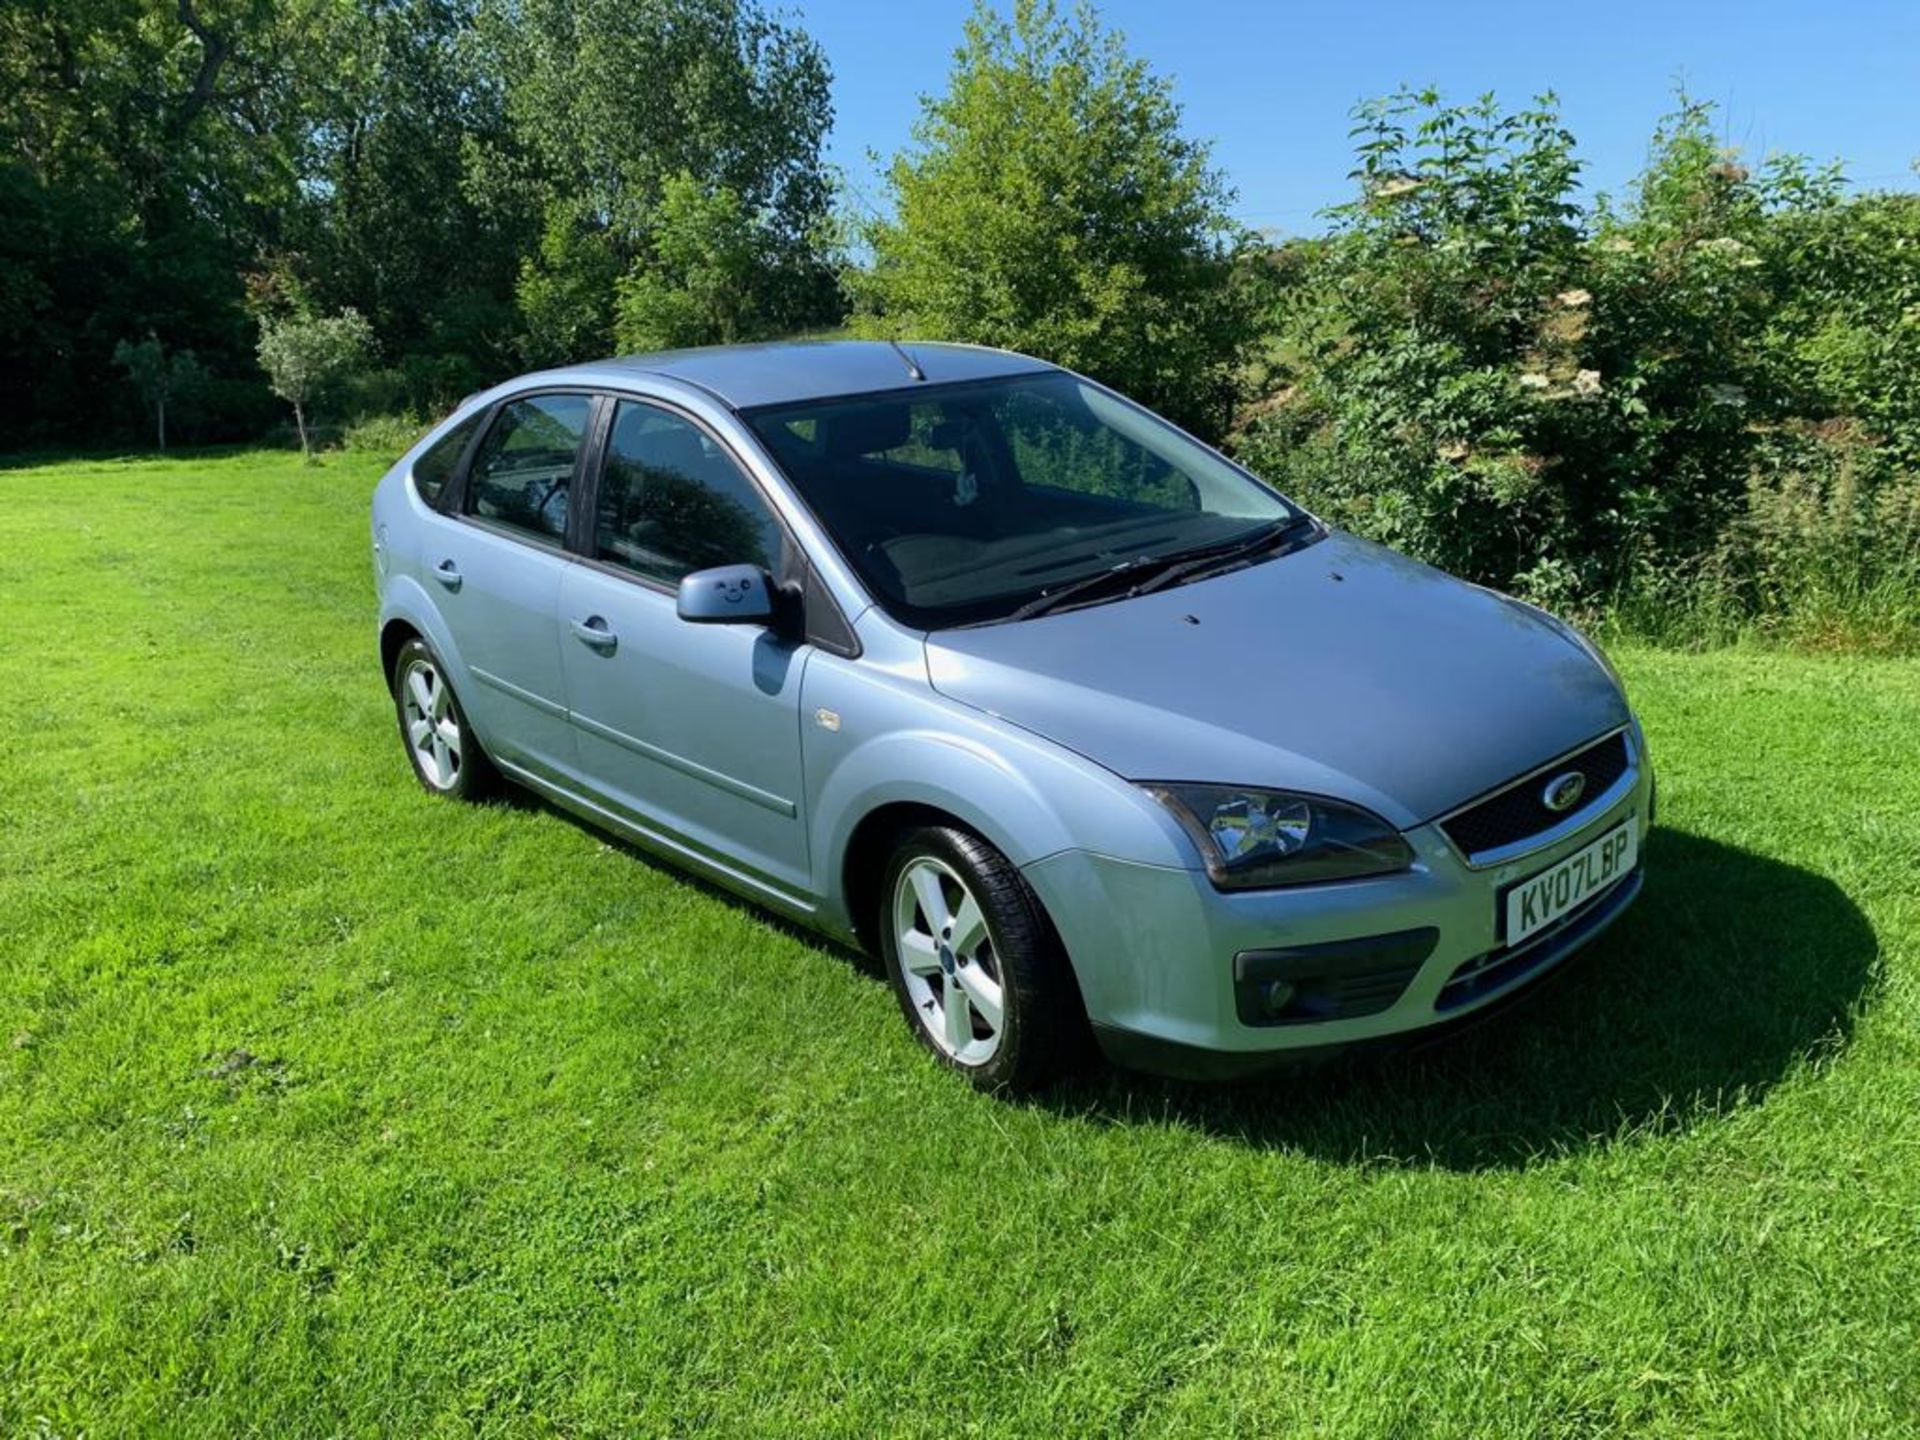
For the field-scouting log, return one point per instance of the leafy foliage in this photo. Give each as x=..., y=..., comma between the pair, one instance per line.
x=391, y=223
x=159, y=378
x=1632, y=400
x=1053, y=205
x=1698, y=401
x=474, y=177
x=713, y=272
x=147, y=148
x=565, y=291
x=303, y=355
x=616, y=108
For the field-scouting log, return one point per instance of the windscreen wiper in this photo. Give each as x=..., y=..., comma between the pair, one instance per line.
x=1085, y=586
x=1198, y=567
x=1179, y=565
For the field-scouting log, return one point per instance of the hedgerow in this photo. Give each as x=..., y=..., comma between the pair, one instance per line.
x=1696, y=405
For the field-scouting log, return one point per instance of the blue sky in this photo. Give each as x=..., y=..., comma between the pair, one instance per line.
x=1271, y=84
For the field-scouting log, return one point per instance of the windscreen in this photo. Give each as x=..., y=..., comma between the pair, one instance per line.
x=960, y=503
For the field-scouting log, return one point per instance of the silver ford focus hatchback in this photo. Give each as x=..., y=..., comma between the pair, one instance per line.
x=968, y=661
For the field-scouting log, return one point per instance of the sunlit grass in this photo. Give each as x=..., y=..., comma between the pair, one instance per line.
x=329, y=1108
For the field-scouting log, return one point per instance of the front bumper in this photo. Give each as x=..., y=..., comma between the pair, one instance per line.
x=1163, y=958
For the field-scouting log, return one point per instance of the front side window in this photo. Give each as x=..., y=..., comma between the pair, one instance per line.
x=673, y=501
x=435, y=466
x=961, y=503
x=524, y=467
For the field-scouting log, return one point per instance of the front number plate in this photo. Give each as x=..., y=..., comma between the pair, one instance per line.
x=1539, y=900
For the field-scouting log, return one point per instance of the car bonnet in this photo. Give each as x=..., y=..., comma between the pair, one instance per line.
x=1340, y=669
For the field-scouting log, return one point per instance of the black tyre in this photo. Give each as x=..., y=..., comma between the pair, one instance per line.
x=441, y=746
x=977, y=968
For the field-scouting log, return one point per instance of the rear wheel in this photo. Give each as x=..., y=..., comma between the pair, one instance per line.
x=978, y=971
x=441, y=746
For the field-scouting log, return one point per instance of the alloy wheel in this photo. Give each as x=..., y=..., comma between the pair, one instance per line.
x=947, y=961
x=433, y=729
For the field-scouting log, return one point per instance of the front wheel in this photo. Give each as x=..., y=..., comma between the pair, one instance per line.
x=978, y=971
x=446, y=757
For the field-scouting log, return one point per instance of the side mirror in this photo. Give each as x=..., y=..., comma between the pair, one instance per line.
x=727, y=595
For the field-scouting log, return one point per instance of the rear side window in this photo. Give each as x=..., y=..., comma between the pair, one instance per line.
x=672, y=500
x=524, y=468
x=434, y=468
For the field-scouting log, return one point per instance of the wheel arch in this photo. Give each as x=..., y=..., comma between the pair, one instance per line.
x=393, y=635
x=1024, y=797
x=864, y=860
x=407, y=610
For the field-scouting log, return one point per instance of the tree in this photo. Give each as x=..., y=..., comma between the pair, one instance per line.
x=158, y=377
x=1051, y=204
x=387, y=198
x=610, y=103
x=147, y=149
x=302, y=355
x=565, y=291
x=475, y=177
x=712, y=274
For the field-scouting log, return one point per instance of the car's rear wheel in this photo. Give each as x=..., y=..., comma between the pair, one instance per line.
x=978, y=971
x=440, y=744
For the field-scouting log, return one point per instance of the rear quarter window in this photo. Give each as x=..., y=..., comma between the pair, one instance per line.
x=436, y=464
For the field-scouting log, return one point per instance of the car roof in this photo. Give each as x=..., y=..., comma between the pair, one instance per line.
x=788, y=371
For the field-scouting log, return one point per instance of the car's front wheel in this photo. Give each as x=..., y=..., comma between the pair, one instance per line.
x=977, y=969
x=445, y=755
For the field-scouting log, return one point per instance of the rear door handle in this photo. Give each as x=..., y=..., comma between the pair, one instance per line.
x=448, y=574
x=593, y=631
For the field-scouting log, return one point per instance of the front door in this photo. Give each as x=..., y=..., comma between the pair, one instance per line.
x=691, y=729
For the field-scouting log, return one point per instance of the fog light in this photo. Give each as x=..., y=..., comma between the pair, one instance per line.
x=1276, y=995
x=1335, y=980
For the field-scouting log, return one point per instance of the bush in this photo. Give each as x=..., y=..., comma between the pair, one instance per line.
x=435, y=383
x=387, y=435
x=1699, y=406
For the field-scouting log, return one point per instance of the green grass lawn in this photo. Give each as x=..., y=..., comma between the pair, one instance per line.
x=326, y=1107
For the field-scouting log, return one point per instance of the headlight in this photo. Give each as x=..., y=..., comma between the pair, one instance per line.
x=1257, y=839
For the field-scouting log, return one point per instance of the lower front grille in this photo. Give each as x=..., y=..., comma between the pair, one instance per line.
x=1520, y=811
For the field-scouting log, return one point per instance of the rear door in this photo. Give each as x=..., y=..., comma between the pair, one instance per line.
x=497, y=568
x=691, y=729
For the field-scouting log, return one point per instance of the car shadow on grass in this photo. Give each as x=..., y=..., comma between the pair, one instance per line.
x=1731, y=971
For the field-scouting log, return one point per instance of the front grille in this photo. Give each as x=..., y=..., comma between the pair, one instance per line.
x=1519, y=812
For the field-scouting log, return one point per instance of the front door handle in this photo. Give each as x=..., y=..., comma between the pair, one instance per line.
x=593, y=631
x=448, y=574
